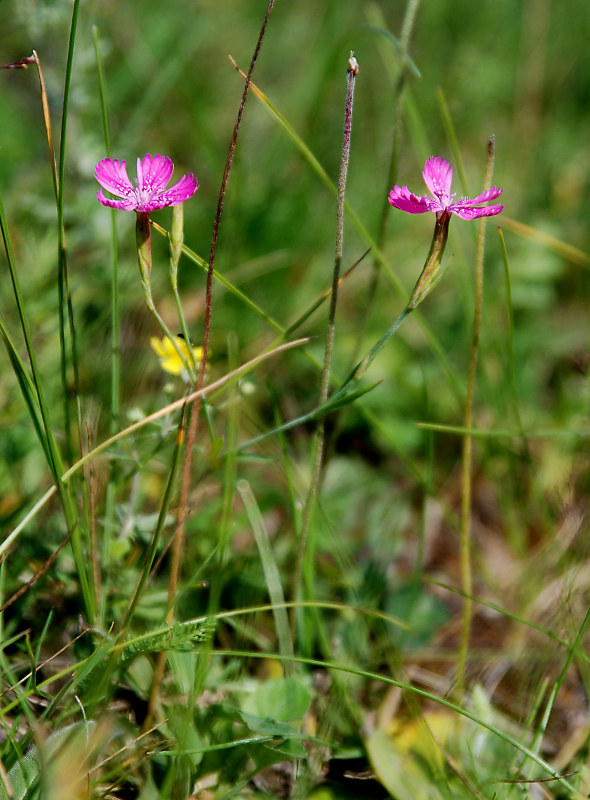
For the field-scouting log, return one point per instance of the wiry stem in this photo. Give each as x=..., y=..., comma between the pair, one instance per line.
x=178, y=541
x=465, y=534
x=325, y=376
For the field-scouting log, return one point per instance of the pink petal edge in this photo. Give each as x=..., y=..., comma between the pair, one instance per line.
x=126, y=205
x=112, y=176
x=402, y=198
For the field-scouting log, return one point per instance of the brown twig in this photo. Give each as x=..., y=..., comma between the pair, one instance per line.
x=24, y=63
x=39, y=574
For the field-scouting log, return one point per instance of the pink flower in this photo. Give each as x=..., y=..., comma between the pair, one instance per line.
x=149, y=192
x=438, y=175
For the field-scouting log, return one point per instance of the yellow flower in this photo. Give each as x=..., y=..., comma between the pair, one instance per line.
x=170, y=361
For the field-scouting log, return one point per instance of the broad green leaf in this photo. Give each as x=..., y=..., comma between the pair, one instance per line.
x=64, y=743
x=398, y=769
x=283, y=700
x=267, y=726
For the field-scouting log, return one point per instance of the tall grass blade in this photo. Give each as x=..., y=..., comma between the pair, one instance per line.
x=552, y=243
x=109, y=523
x=271, y=571
x=65, y=308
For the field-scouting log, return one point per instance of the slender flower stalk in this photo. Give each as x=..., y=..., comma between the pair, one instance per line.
x=23, y=63
x=176, y=239
x=143, y=240
x=176, y=242
x=352, y=73
x=467, y=450
x=432, y=271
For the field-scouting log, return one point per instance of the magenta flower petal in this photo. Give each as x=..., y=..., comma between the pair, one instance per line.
x=489, y=194
x=438, y=176
x=401, y=197
x=112, y=175
x=126, y=205
x=181, y=191
x=468, y=211
x=149, y=192
x=153, y=174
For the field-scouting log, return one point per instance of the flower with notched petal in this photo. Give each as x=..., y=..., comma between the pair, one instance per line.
x=149, y=192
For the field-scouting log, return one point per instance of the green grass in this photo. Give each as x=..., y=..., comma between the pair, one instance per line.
x=367, y=681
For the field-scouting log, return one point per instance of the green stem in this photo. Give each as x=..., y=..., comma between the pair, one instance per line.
x=176, y=237
x=346, y=392
x=432, y=270
x=66, y=310
x=466, y=485
x=143, y=238
x=302, y=549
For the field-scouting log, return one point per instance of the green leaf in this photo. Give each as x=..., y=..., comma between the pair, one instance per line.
x=25, y=773
x=422, y=612
x=292, y=748
x=399, y=770
x=283, y=700
x=267, y=726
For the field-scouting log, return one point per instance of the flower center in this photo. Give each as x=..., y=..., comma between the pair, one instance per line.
x=144, y=192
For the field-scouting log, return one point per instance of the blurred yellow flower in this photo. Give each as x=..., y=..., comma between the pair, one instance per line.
x=170, y=361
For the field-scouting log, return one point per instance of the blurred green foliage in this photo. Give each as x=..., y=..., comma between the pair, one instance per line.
x=518, y=69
